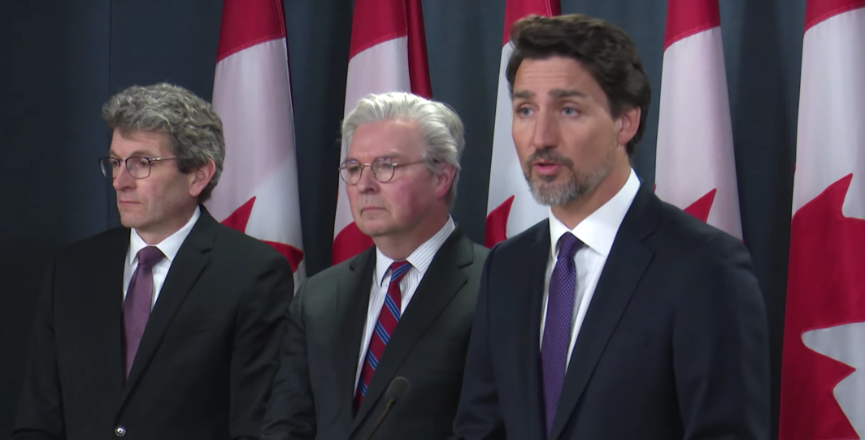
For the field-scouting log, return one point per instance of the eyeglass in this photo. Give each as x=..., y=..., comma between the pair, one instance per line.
x=382, y=169
x=138, y=166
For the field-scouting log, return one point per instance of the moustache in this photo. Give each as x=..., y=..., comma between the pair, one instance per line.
x=548, y=156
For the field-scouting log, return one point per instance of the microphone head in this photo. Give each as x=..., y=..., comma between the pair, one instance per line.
x=397, y=389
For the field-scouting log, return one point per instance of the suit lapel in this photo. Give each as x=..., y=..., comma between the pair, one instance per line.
x=442, y=281
x=352, y=303
x=526, y=333
x=107, y=314
x=187, y=266
x=622, y=272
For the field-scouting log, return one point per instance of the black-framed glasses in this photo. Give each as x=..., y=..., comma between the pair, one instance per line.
x=382, y=169
x=138, y=166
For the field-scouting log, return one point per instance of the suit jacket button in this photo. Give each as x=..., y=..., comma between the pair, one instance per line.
x=119, y=431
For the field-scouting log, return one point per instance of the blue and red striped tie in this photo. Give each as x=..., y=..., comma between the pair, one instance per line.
x=388, y=318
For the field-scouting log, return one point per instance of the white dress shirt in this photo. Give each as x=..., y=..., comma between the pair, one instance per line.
x=420, y=261
x=169, y=248
x=597, y=232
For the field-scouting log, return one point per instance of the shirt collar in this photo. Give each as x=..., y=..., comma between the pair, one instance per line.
x=169, y=247
x=599, y=229
x=421, y=258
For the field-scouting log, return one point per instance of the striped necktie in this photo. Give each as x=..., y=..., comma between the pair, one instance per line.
x=388, y=318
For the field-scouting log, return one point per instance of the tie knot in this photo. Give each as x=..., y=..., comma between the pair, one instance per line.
x=149, y=256
x=398, y=270
x=569, y=245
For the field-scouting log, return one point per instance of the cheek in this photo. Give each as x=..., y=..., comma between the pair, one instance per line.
x=404, y=200
x=586, y=144
x=521, y=135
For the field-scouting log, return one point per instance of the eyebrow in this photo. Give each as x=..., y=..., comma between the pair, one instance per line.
x=555, y=93
x=563, y=93
x=134, y=153
x=392, y=156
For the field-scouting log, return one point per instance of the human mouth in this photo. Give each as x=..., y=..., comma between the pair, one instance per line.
x=545, y=167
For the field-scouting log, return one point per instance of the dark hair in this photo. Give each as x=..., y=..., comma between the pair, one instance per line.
x=603, y=49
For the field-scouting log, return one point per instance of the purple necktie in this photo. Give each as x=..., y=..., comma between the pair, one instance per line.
x=136, y=308
x=557, y=328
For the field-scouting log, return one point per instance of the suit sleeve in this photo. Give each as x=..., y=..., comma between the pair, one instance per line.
x=291, y=410
x=254, y=358
x=479, y=415
x=721, y=350
x=40, y=410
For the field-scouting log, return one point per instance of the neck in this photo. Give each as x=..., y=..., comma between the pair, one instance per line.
x=158, y=233
x=576, y=211
x=399, y=246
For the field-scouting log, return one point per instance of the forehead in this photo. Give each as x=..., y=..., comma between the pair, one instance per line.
x=538, y=77
x=139, y=142
x=393, y=138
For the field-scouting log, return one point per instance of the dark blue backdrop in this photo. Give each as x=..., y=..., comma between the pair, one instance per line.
x=62, y=60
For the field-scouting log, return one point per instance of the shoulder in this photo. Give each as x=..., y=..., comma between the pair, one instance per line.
x=480, y=254
x=241, y=250
x=464, y=250
x=325, y=284
x=682, y=236
x=328, y=278
x=519, y=247
x=98, y=244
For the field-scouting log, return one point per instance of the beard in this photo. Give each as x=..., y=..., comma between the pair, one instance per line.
x=578, y=183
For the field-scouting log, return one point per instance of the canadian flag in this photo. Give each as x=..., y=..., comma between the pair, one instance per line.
x=257, y=193
x=823, y=361
x=695, y=166
x=511, y=208
x=387, y=54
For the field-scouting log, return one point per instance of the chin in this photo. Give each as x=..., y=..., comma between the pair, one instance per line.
x=130, y=220
x=373, y=229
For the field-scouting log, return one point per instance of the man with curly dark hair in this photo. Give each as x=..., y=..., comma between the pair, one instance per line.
x=167, y=327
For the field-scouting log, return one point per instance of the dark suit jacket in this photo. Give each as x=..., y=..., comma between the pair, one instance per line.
x=674, y=344
x=314, y=388
x=206, y=360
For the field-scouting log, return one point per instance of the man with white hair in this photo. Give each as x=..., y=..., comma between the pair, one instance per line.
x=378, y=342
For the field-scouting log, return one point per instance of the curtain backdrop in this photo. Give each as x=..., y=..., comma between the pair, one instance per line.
x=62, y=60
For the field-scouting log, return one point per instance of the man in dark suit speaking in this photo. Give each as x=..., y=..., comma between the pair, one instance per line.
x=169, y=327
x=619, y=317
x=399, y=314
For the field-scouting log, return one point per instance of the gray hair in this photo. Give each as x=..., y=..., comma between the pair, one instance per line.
x=440, y=128
x=192, y=126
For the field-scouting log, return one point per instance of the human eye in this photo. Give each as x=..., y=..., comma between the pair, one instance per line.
x=352, y=168
x=385, y=165
x=523, y=111
x=570, y=110
x=140, y=163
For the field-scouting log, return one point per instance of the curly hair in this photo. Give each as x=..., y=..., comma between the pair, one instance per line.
x=193, y=127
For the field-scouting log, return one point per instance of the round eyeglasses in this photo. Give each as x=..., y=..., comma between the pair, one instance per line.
x=138, y=166
x=382, y=169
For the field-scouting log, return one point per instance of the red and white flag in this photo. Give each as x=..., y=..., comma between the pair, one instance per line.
x=388, y=54
x=511, y=208
x=823, y=362
x=257, y=193
x=695, y=165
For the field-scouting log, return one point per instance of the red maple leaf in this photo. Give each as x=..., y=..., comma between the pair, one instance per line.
x=497, y=223
x=348, y=243
x=825, y=287
x=702, y=206
x=240, y=217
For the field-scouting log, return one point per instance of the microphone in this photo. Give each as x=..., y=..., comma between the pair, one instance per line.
x=395, y=391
